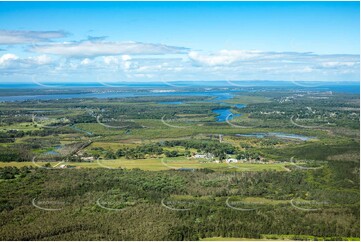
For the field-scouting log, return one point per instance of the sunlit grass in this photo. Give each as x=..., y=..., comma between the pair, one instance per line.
x=157, y=164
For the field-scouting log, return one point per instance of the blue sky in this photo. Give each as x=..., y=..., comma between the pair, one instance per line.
x=149, y=41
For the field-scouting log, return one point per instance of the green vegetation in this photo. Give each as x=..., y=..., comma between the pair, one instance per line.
x=138, y=169
x=134, y=198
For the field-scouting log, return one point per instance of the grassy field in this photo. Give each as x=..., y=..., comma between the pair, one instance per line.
x=156, y=164
x=261, y=200
x=247, y=100
x=25, y=126
x=272, y=237
x=228, y=239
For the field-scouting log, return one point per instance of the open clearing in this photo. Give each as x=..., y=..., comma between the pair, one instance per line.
x=156, y=164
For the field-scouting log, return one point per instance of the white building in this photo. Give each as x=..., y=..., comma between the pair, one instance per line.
x=90, y=158
x=200, y=156
x=205, y=156
x=231, y=160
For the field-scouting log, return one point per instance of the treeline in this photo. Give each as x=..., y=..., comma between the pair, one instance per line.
x=10, y=135
x=144, y=218
x=248, y=155
x=17, y=152
x=206, y=146
x=11, y=172
x=218, y=150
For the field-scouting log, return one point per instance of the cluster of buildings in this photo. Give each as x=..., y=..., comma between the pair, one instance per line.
x=84, y=157
x=210, y=156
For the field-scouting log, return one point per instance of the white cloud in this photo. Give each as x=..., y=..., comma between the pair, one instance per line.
x=41, y=59
x=258, y=62
x=124, y=62
x=4, y=59
x=101, y=48
x=111, y=60
x=145, y=60
x=85, y=61
x=332, y=64
x=13, y=63
x=223, y=57
x=222, y=65
x=126, y=57
x=10, y=37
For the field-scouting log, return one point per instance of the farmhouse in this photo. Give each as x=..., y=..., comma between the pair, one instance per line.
x=90, y=158
x=204, y=156
x=199, y=156
x=231, y=160
x=66, y=166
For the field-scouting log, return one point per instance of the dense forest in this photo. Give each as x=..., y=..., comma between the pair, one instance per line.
x=122, y=204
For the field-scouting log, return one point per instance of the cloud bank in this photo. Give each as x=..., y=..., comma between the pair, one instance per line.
x=91, y=48
x=86, y=60
x=13, y=37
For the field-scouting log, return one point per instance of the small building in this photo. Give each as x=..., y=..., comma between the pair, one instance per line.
x=200, y=156
x=90, y=158
x=220, y=138
x=66, y=166
x=231, y=160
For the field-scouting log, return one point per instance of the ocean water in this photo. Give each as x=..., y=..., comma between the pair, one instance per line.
x=218, y=96
x=160, y=89
x=175, y=102
x=341, y=86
